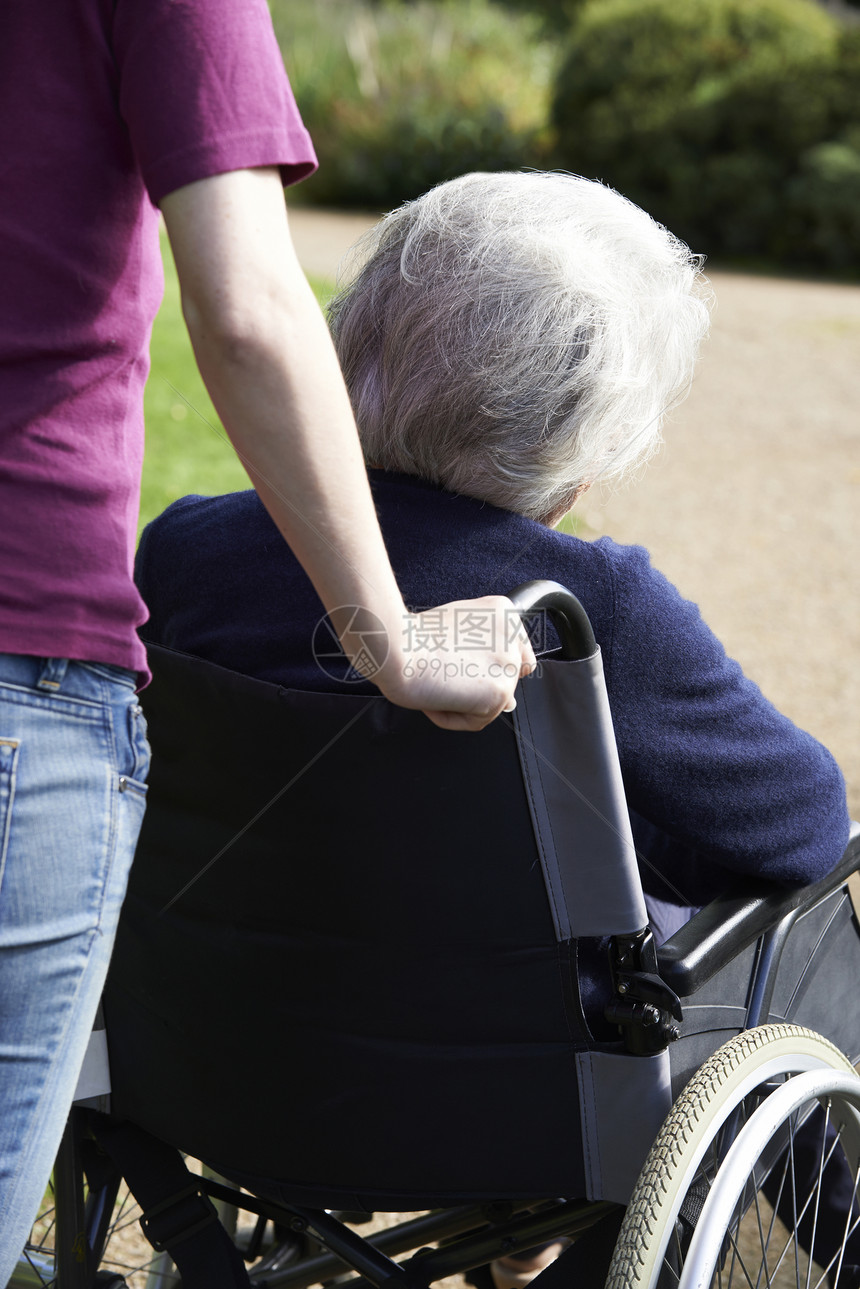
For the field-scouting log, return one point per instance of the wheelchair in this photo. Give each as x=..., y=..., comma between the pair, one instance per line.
x=367, y=966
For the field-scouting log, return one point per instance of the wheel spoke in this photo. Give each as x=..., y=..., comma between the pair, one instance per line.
x=792, y=1242
x=775, y=1209
x=733, y=1265
x=818, y=1194
x=850, y=1228
x=738, y=1260
x=763, y=1243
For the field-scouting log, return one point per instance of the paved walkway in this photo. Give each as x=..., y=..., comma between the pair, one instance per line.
x=753, y=507
x=323, y=237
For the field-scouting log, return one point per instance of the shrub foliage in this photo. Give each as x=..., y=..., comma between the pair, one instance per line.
x=400, y=97
x=736, y=122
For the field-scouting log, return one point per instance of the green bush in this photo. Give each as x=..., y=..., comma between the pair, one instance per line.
x=730, y=120
x=400, y=97
x=556, y=15
x=823, y=207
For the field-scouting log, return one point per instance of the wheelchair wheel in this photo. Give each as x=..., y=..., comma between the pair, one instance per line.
x=126, y=1261
x=773, y=1118
x=87, y=1235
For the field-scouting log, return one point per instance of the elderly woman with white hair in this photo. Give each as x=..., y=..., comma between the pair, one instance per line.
x=510, y=340
x=515, y=337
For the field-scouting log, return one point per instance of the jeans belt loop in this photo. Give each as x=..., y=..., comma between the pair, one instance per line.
x=53, y=673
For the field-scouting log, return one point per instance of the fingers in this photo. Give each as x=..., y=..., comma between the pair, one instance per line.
x=462, y=722
x=458, y=721
x=460, y=664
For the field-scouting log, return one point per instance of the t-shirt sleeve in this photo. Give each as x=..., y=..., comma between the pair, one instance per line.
x=708, y=762
x=203, y=91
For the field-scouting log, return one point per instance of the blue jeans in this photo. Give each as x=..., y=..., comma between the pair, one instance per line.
x=73, y=761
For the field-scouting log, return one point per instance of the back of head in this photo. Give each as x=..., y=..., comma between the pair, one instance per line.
x=517, y=336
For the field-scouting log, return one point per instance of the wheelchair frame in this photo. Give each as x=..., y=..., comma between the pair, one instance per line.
x=735, y=947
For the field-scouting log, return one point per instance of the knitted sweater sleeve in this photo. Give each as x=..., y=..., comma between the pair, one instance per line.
x=708, y=763
x=162, y=574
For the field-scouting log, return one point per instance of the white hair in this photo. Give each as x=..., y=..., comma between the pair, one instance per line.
x=517, y=336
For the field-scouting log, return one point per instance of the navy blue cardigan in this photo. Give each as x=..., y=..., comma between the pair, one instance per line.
x=716, y=778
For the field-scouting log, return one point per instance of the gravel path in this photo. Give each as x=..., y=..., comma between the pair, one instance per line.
x=752, y=506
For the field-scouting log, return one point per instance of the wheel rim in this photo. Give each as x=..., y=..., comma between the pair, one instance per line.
x=747, y=1089
x=709, y=1115
x=715, y=1256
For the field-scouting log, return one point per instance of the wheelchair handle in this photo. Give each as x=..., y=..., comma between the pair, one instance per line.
x=568, y=616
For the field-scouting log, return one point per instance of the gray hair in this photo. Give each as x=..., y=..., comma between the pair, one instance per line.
x=517, y=336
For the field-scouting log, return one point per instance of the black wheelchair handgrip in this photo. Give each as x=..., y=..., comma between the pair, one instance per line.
x=568, y=616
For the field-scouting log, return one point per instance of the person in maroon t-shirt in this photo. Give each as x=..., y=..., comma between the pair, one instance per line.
x=109, y=109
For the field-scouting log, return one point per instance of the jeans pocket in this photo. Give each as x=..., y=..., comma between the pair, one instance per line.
x=134, y=776
x=8, y=766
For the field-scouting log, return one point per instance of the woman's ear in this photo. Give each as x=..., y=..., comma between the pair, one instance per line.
x=570, y=501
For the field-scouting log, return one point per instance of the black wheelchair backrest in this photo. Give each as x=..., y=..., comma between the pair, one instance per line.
x=388, y=932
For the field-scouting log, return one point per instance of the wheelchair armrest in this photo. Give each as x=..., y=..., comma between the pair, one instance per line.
x=726, y=926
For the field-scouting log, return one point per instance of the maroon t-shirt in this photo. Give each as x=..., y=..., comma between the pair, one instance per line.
x=105, y=107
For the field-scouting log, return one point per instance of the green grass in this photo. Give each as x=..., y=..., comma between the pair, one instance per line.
x=186, y=447
x=572, y=524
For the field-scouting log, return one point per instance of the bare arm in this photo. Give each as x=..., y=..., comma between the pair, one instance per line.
x=265, y=354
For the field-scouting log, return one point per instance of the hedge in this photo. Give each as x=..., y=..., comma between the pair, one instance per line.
x=736, y=122
x=400, y=97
